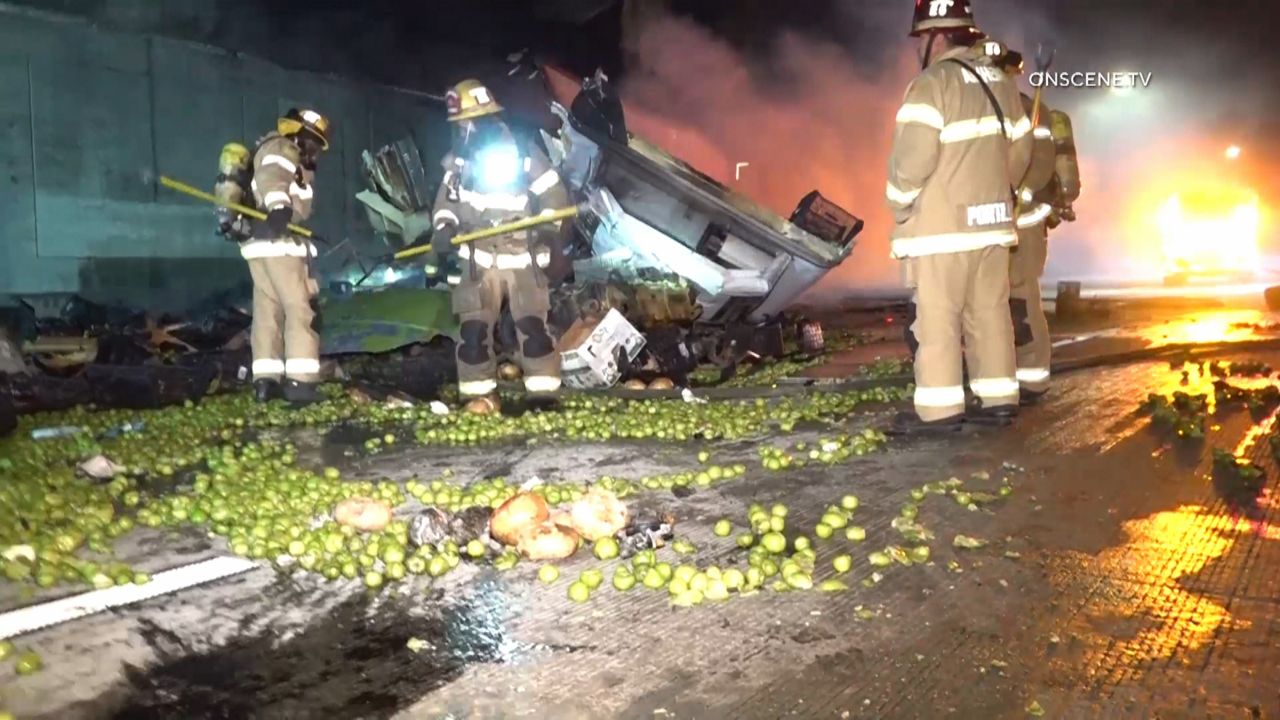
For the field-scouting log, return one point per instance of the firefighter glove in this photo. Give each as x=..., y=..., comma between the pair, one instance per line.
x=277, y=224
x=442, y=239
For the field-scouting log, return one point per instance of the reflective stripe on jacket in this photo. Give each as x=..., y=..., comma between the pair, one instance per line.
x=953, y=165
x=279, y=180
x=471, y=209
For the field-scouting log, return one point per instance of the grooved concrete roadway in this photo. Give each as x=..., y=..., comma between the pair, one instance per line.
x=1117, y=583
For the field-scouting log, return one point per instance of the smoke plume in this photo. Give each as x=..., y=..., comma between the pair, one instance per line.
x=817, y=122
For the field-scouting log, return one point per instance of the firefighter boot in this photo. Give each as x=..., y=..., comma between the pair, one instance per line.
x=998, y=416
x=483, y=405
x=1028, y=398
x=909, y=423
x=301, y=394
x=266, y=390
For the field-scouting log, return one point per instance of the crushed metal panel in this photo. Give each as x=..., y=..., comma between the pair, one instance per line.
x=386, y=319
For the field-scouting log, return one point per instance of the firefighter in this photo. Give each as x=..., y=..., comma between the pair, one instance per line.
x=492, y=177
x=960, y=145
x=284, y=339
x=1031, y=340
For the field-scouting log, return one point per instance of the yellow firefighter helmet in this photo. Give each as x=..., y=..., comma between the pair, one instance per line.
x=299, y=120
x=468, y=100
x=942, y=16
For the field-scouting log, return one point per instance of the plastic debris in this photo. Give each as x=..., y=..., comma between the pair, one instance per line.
x=429, y=527
x=439, y=408
x=100, y=467
x=969, y=543
x=48, y=433
x=687, y=395
x=417, y=644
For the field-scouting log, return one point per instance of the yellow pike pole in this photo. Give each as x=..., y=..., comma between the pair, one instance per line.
x=194, y=192
x=1043, y=62
x=464, y=238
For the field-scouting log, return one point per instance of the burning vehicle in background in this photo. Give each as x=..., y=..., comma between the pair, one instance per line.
x=701, y=272
x=1210, y=233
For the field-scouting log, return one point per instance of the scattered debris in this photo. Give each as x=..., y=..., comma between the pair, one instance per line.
x=969, y=543
x=99, y=467
x=363, y=513
x=417, y=644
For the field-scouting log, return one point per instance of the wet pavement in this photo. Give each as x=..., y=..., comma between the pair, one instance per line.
x=1118, y=581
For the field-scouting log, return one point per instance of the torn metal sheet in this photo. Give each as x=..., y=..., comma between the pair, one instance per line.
x=386, y=319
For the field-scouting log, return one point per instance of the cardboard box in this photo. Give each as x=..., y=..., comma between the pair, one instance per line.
x=589, y=351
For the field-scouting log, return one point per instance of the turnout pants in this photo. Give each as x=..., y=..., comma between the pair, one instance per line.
x=961, y=311
x=477, y=301
x=1030, y=329
x=283, y=336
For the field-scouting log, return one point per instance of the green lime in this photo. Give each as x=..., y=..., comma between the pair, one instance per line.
x=393, y=554
x=592, y=578
x=373, y=579
x=842, y=563
x=623, y=580
x=822, y=530
x=849, y=502
x=855, y=533
x=774, y=542
x=653, y=579
x=579, y=592
x=835, y=520
x=723, y=528
x=606, y=548
x=746, y=540
x=801, y=543
x=475, y=549
x=28, y=662
x=548, y=574
x=437, y=566
x=733, y=579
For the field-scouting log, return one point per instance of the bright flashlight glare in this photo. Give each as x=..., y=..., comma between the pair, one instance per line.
x=390, y=275
x=1214, y=233
x=498, y=166
x=1233, y=152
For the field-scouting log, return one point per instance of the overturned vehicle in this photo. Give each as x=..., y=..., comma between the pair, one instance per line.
x=695, y=272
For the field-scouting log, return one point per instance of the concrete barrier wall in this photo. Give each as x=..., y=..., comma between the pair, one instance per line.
x=89, y=118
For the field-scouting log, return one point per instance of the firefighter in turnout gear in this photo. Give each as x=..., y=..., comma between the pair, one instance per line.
x=284, y=340
x=961, y=144
x=1026, y=264
x=490, y=178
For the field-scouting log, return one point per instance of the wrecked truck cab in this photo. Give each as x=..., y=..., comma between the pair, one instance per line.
x=746, y=263
x=703, y=273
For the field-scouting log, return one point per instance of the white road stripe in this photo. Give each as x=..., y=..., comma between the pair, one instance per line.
x=34, y=617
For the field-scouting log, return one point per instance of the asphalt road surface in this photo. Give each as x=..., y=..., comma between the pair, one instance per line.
x=1117, y=581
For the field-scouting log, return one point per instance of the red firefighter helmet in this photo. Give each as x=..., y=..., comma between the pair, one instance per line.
x=942, y=16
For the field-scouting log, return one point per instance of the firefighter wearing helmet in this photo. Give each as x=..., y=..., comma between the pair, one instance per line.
x=286, y=347
x=961, y=142
x=1038, y=197
x=493, y=177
